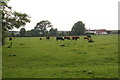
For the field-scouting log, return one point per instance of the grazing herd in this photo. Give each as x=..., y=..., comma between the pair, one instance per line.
x=88, y=37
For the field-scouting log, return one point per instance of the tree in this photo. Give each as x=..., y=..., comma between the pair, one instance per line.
x=53, y=32
x=22, y=32
x=42, y=26
x=12, y=19
x=78, y=28
x=28, y=33
x=32, y=32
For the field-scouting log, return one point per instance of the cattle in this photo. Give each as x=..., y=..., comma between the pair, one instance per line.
x=75, y=38
x=89, y=36
x=40, y=38
x=9, y=46
x=10, y=39
x=86, y=37
x=60, y=38
x=68, y=38
x=62, y=45
x=90, y=40
x=47, y=37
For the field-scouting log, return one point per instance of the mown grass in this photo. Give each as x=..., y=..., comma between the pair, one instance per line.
x=33, y=58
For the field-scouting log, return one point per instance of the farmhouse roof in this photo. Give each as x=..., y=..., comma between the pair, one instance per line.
x=101, y=30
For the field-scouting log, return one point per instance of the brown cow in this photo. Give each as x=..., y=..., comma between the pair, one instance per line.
x=86, y=37
x=68, y=38
x=75, y=38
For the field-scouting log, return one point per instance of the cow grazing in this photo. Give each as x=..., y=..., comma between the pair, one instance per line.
x=90, y=40
x=9, y=46
x=10, y=39
x=75, y=38
x=62, y=45
x=89, y=36
x=59, y=38
x=86, y=37
x=47, y=37
x=40, y=38
x=68, y=38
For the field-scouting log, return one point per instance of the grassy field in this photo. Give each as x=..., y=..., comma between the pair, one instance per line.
x=33, y=58
x=0, y=62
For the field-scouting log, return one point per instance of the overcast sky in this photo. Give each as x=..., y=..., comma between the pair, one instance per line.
x=96, y=14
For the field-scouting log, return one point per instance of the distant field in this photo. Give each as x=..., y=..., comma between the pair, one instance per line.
x=33, y=58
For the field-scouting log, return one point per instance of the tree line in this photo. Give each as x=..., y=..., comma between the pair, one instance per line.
x=45, y=28
x=12, y=19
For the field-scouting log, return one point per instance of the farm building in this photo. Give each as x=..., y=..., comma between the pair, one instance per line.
x=101, y=31
x=97, y=31
x=90, y=31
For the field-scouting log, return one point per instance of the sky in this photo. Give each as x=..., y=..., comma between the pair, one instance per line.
x=63, y=14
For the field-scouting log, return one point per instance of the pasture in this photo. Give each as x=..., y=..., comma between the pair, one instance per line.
x=0, y=62
x=33, y=58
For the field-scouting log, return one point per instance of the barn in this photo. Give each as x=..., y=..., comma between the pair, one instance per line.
x=101, y=31
x=96, y=31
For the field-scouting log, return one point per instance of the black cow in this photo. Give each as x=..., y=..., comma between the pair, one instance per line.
x=47, y=37
x=40, y=38
x=59, y=38
x=75, y=38
x=90, y=40
x=88, y=36
x=10, y=39
x=68, y=38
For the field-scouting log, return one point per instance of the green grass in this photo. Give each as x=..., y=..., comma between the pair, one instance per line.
x=47, y=59
x=0, y=62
